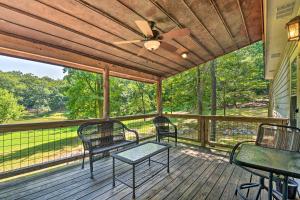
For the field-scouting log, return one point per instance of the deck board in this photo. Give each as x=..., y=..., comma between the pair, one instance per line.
x=195, y=173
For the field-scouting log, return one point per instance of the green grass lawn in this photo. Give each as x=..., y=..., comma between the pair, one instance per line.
x=248, y=112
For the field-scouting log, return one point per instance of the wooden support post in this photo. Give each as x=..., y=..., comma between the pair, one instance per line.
x=159, y=97
x=203, y=123
x=106, y=93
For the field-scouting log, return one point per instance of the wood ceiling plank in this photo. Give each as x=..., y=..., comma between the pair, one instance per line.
x=195, y=14
x=232, y=16
x=85, y=29
x=164, y=24
x=243, y=19
x=45, y=26
x=210, y=20
x=253, y=18
x=109, y=36
x=62, y=42
x=86, y=12
x=17, y=47
x=182, y=19
x=217, y=10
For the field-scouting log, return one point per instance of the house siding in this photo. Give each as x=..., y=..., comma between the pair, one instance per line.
x=281, y=85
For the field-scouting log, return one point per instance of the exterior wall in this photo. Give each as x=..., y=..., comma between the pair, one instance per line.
x=281, y=84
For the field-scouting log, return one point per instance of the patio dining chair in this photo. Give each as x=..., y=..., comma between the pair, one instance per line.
x=165, y=128
x=272, y=136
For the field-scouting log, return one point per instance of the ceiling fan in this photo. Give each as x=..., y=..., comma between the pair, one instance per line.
x=153, y=39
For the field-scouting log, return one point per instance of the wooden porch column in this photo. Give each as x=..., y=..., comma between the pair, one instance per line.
x=106, y=93
x=159, y=97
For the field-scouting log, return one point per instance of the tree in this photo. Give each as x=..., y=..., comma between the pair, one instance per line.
x=9, y=108
x=213, y=97
x=84, y=93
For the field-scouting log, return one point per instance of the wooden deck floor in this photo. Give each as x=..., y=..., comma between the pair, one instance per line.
x=194, y=174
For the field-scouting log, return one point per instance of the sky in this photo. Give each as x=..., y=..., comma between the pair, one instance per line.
x=26, y=66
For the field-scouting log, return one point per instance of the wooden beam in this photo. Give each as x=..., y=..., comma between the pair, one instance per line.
x=106, y=93
x=20, y=48
x=159, y=97
x=244, y=22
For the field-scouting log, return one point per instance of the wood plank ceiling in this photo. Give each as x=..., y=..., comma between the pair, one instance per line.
x=79, y=33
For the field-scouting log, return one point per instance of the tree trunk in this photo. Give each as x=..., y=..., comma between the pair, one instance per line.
x=99, y=96
x=141, y=90
x=171, y=99
x=213, y=98
x=199, y=92
x=224, y=99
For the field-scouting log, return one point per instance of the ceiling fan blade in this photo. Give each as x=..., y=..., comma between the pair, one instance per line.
x=142, y=51
x=127, y=41
x=144, y=27
x=176, y=33
x=168, y=47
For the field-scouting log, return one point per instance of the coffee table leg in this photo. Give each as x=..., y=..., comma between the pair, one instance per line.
x=133, y=181
x=285, y=188
x=168, y=170
x=270, y=186
x=114, y=183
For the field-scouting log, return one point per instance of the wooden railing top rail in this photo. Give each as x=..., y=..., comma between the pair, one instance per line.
x=68, y=123
x=64, y=123
x=230, y=118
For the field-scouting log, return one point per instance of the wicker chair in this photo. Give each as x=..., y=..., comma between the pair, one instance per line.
x=164, y=128
x=271, y=136
x=102, y=137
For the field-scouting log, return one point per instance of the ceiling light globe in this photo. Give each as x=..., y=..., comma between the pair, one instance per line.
x=184, y=55
x=152, y=45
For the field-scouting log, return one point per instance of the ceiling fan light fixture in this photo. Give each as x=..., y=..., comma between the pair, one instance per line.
x=184, y=55
x=152, y=45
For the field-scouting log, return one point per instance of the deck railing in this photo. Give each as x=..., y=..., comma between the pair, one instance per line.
x=224, y=131
x=33, y=146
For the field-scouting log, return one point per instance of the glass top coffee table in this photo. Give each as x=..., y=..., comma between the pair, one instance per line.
x=137, y=155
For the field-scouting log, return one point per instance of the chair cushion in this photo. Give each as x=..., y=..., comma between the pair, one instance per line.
x=113, y=146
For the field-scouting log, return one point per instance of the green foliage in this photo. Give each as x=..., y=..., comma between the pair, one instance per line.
x=9, y=108
x=240, y=79
x=84, y=94
x=131, y=97
x=33, y=92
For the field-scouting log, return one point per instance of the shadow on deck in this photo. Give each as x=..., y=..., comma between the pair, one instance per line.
x=195, y=173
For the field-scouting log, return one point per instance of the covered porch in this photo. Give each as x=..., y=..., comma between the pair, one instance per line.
x=42, y=161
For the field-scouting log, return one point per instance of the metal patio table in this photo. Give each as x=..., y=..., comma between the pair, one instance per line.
x=137, y=155
x=274, y=161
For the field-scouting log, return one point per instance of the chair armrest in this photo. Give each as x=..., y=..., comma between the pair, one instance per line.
x=236, y=147
x=86, y=142
x=135, y=132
